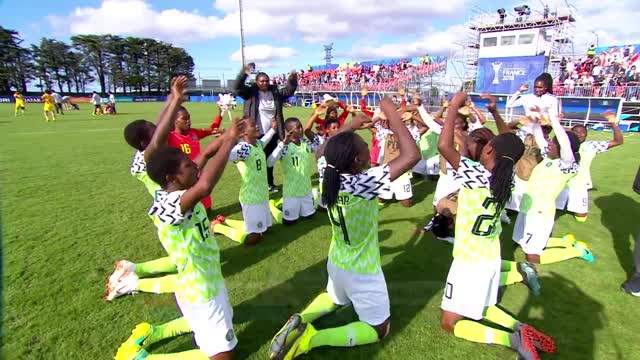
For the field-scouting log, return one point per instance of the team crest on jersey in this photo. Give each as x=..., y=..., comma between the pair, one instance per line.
x=286, y=212
x=194, y=137
x=260, y=224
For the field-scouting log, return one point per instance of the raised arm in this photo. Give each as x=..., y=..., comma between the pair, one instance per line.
x=291, y=87
x=618, y=139
x=276, y=154
x=358, y=122
x=218, y=120
x=409, y=153
x=165, y=122
x=241, y=89
x=443, y=108
x=480, y=116
x=446, y=144
x=315, y=118
x=515, y=100
x=266, y=138
x=211, y=149
x=566, y=153
x=213, y=170
x=428, y=120
x=493, y=110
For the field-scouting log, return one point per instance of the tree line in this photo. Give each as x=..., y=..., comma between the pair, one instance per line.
x=122, y=64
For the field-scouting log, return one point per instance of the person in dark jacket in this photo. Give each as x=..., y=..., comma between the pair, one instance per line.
x=263, y=101
x=632, y=286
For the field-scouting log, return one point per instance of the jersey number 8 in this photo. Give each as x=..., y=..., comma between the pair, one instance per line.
x=259, y=164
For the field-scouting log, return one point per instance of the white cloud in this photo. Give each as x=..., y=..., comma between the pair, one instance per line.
x=264, y=54
x=313, y=21
x=434, y=42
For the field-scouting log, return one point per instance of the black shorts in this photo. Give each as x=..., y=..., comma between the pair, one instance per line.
x=97, y=106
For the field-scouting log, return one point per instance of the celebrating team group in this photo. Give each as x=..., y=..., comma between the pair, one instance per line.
x=482, y=178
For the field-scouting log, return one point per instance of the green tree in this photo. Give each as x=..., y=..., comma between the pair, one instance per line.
x=15, y=62
x=96, y=54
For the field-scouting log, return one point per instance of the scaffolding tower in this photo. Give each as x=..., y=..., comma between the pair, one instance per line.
x=559, y=25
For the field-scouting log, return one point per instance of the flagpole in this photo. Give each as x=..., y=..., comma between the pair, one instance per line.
x=241, y=33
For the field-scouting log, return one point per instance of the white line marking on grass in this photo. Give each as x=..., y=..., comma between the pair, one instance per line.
x=79, y=131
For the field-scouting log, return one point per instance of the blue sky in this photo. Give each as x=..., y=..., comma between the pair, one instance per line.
x=286, y=34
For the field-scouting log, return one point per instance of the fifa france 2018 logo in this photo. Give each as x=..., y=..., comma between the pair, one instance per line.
x=496, y=71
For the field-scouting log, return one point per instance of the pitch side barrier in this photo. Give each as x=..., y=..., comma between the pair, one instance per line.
x=82, y=99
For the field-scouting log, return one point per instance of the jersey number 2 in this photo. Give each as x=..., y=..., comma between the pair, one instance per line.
x=478, y=225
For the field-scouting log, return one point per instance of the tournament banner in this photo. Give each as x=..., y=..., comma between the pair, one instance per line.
x=27, y=99
x=149, y=98
x=505, y=75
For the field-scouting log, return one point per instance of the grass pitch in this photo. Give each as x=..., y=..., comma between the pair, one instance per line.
x=70, y=208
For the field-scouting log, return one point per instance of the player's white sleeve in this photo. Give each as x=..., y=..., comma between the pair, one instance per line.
x=276, y=154
x=429, y=121
x=239, y=152
x=515, y=100
x=266, y=138
x=166, y=207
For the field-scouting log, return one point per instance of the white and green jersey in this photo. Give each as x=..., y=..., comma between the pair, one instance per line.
x=188, y=240
x=354, y=221
x=428, y=144
x=252, y=165
x=296, y=166
x=547, y=181
x=139, y=171
x=588, y=151
x=478, y=225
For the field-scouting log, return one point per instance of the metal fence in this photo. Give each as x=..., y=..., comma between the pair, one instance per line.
x=629, y=93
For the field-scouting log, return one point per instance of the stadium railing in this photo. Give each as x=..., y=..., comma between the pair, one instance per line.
x=629, y=93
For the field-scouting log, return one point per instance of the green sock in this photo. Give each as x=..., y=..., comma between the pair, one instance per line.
x=498, y=316
x=159, y=285
x=549, y=256
x=580, y=218
x=168, y=330
x=506, y=265
x=158, y=266
x=316, y=197
x=275, y=212
x=238, y=224
x=557, y=242
x=354, y=334
x=195, y=354
x=476, y=332
x=319, y=307
x=510, y=277
x=233, y=233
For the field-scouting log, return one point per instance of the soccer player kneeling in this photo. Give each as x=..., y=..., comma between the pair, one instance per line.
x=294, y=154
x=471, y=290
x=183, y=229
x=350, y=190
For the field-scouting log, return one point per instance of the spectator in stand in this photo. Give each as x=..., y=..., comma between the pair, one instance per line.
x=264, y=102
x=591, y=53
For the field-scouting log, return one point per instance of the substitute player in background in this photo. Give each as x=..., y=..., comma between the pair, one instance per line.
x=49, y=106
x=96, y=100
x=19, y=103
x=471, y=291
x=187, y=139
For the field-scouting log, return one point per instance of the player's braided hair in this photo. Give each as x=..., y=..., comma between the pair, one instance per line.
x=481, y=137
x=330, y=109
x=164, y=162
x=508, y=150
x=579, y=126
x=340, y=153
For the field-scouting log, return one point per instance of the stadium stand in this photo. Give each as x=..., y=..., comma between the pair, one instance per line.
x=612, y=72
x=378, y=75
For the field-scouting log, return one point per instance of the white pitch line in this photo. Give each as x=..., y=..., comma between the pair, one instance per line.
x=80, y=131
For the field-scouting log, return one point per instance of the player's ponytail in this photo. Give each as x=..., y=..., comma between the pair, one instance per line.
x=340, y=153
x=508, y=149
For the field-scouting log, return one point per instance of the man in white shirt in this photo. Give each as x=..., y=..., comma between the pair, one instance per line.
x=112, y=102
x=57, y=98
x=97, y=103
